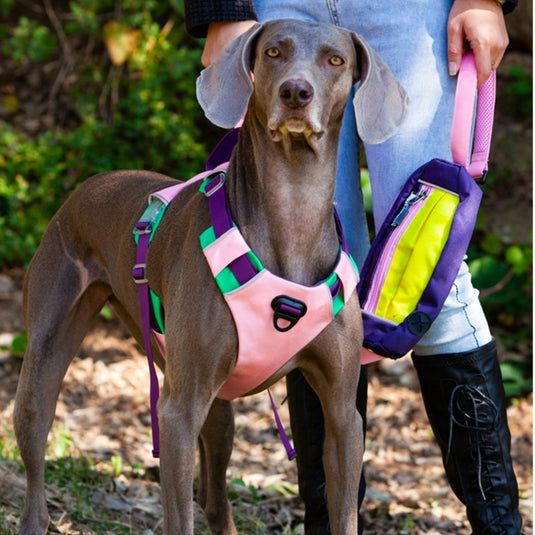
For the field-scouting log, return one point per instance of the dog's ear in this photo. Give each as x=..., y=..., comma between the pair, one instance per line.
x=224, y=87
x=380, y=102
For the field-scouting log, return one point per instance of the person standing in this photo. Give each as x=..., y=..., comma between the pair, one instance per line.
x=422, y=42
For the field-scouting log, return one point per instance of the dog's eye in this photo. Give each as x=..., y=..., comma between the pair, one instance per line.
x=273, y=52
x=336, y=61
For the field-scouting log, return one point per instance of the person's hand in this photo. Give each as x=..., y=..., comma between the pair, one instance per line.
x=479, y=24
x=220, y=35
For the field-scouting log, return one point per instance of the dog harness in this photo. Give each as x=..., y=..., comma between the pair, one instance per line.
x=275, y=318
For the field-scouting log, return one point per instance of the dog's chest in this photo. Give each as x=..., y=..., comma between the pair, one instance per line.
x=275, y=318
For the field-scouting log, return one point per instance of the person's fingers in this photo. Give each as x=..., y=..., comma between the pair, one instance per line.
x=479, y=25
x=456, y=47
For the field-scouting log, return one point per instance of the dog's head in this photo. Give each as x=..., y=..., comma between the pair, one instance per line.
x=303, y=73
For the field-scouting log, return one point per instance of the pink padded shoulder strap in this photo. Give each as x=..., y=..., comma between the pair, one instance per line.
x=166, y=195
x=474, y=158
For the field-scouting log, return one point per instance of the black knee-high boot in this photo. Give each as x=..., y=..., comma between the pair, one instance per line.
x=308, y=433
x=465, y=402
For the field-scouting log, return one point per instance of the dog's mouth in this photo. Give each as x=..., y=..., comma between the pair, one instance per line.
x=295, y=127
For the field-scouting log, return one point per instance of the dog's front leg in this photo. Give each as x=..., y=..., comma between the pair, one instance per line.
x=180, y=421
x=332, y=368
x=343, y=463
x=215, y=447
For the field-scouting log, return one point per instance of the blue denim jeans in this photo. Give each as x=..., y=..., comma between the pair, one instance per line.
x=410, y=36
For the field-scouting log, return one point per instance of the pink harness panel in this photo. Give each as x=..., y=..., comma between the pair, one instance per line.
x=262, y=349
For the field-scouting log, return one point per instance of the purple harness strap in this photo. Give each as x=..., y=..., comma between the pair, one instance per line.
x=144, y=230
x=243, y=270
x=219, y=204
x=290, y=451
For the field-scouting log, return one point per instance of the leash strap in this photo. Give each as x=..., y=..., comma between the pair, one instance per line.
x=290, y=451
x=144, y=230
x=473, y=117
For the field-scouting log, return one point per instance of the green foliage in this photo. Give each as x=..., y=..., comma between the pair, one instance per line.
x=8, y=446
x=519, y=92
x=137, y=111
x=408, y=523
x=504, y=275
x=4, y=526
x=517, y=379
x=19, y=344
x=61, y=444
x=5, y=7
x=30, y=40
x=252, y=492
x=366, y=190
x=80, y=480
x=116, y=462
x=70, y=471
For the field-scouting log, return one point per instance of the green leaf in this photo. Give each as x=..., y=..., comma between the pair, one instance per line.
x=511, y=372
x=487, y=271
x=19, y=344
x=491, y=244
x=520, y=258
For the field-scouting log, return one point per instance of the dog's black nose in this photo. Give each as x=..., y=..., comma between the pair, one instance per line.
x=296, y=93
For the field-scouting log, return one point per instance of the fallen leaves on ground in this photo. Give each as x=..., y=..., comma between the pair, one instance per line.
x=103, y=414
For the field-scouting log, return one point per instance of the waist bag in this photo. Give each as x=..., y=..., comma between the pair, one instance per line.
x=417, y=253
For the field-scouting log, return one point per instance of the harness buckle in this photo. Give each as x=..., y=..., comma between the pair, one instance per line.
x=138, y=274
x=288, y=310
x=143, y=227
x=213, y=186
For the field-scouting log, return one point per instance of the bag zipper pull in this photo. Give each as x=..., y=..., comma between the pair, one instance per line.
x=413, y=198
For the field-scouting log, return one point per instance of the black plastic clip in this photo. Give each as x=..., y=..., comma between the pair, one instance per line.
x=288, y=310
x=483, y=178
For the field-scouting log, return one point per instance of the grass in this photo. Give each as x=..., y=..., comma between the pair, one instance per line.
x=91, y=497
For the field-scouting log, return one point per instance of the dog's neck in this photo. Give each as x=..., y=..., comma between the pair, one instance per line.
x=281, y=195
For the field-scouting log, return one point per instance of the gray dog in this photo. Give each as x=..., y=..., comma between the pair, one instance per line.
x=280, y=185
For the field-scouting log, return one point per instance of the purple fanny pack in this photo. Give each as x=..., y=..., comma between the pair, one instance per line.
x=418, y=251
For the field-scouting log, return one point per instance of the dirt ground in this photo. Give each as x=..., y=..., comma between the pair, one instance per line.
x=104, y=408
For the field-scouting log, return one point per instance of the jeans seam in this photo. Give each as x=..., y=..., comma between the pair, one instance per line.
x=331, y=5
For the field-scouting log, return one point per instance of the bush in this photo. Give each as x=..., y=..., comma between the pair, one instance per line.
x=130, y=103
